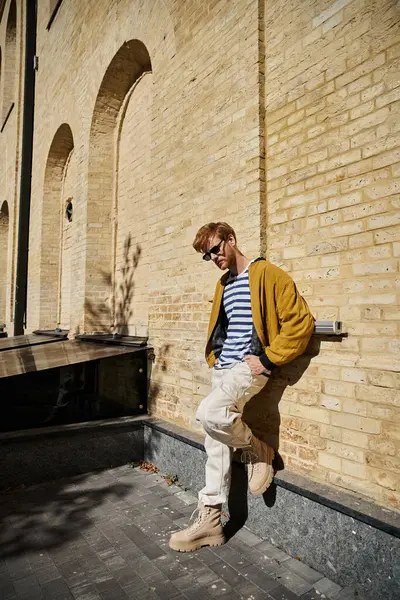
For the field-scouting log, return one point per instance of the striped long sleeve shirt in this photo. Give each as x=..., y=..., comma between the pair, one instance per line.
x=237, y=305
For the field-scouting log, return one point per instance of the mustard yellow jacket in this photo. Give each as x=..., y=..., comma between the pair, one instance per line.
x=282, y=320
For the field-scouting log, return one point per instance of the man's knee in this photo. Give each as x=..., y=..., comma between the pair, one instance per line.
x=216, y=418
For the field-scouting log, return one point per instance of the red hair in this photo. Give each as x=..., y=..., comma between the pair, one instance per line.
x=208, y=231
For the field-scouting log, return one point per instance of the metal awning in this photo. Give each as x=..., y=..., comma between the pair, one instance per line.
x=42, y=355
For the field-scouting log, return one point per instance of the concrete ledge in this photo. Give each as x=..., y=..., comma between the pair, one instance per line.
x=343, y=536
x=37, y=455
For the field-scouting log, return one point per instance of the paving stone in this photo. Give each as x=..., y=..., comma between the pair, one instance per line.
x=113, y=561
x=228, y=574
x=156, y=500
x=186, y=582
x=207, y=556
x=7, y=589
x=303, y=570
x=28, y=588
x=18, y=568
x=163, y=588
x=259, y=578
x=46, y=574
x=61, y=555
x=186, y=497
x=249, y=538
x=232, y=557
x=85, y=591
x=170, y=567
x=146, y=568
x=312, y=596
x=268, y=565
x=292, y=581
x=139, y=591
x=38, y=560
x=130, y=553
x=272, y=551
x=152, y=550
x=127, y=576
x=327, y=587
x=218, y=588
x=56, y=590
x=250, y=591
x=111, y=590
x=282, y=593
x=197, y=593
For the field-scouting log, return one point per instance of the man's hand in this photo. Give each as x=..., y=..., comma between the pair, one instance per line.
x=256, y=366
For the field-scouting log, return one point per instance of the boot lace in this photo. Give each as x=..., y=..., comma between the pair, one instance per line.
x=198, y=520
x=250, y=458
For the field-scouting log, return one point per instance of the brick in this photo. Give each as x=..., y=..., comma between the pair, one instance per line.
x=348, y=421
x=378, y=394
x=345, y=451
x=365, y=67
x=302, y=570
x=327, y=587
x=329, y=461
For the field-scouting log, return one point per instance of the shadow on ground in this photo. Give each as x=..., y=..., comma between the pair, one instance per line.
x=46, y=516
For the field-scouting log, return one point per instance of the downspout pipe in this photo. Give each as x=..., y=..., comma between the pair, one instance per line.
x=26, y=168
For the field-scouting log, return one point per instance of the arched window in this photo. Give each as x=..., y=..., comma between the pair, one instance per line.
x=9, y=61
x=4, y=222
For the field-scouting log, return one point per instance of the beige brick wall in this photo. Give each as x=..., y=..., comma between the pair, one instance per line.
x=203, y=139
x=333, y=152
x=279, y=118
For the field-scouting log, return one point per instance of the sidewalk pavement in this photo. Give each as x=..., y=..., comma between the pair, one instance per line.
x=105, y=536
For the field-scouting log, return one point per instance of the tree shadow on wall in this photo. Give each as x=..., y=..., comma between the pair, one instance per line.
x=262, y=415
x=160, y=364
x=115, y=315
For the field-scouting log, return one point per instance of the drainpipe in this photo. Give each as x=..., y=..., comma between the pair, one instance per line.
x=26, y=168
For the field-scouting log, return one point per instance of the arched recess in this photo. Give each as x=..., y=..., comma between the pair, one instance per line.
x=58, y=187
x=117, y=91
x=9, y=66
x=4, y=227
x=131, y=266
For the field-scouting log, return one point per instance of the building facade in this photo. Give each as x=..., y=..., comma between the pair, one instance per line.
x=282, y=118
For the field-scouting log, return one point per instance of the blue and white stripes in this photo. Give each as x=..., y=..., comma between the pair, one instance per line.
x=237, y=305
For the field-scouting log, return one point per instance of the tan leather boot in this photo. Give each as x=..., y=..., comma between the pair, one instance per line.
x=206, y=530
x=260, y=472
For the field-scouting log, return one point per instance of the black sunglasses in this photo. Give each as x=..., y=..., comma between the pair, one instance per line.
x=215, y=250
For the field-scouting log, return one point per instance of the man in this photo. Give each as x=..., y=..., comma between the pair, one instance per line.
x=258, y=322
